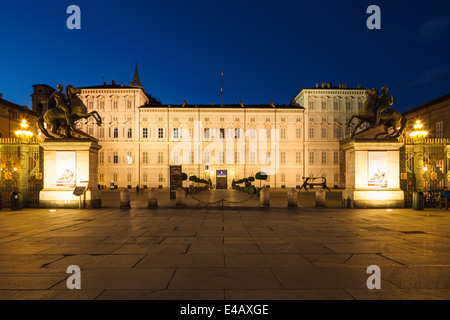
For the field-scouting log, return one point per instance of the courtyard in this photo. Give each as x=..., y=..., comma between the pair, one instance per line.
x=236, y=252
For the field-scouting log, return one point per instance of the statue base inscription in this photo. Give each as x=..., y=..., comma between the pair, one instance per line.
x=372, y=174
x=68, y=165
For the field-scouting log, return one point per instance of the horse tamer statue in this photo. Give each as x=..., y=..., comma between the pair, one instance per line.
x=68, y=110
x=377, y=111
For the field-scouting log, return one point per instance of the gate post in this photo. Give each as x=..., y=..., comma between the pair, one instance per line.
x=24, y=150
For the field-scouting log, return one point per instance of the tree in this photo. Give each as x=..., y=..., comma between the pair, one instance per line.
x=261, y=176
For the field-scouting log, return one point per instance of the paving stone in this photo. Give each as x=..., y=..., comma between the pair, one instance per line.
x=182, y=260
x=224, y=278
x=287, y=295
x=265, y=260
x=162, y=295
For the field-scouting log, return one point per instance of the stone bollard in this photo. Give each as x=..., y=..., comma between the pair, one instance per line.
x=320, y=198
x=124, y=199
x=264, y=197
x=292, y=198
x=180, y=196
x=152, y=198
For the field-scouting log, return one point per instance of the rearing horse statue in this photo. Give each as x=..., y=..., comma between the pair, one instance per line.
x=390, y=118
x=56, y=117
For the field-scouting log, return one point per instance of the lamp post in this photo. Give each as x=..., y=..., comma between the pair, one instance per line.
x=23, y=136
x=418, y=136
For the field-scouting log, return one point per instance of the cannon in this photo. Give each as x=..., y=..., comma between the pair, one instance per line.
x=307, y=183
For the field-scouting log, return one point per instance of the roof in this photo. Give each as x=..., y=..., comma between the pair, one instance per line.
x=42, y=85
x=428, y=104
x=109, y=86
x=228, y=106
x=17, y=107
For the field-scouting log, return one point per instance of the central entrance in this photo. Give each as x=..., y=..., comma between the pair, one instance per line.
x=221, y=179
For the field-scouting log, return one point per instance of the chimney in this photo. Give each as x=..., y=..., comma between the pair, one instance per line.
x=114, y=82
x=317, y=85
x=241, y=103
x=121, y=84
x=184, y=103
x=328, y=85
x=1, y=95
x=213, y=103
x=271, y=103
x=360, y=86
x=323, y=84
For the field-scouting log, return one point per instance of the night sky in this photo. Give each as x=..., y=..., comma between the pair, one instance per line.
x=267, y=50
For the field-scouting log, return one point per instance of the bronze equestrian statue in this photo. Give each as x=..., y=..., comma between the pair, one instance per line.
x=68, y=111
x=377, y=111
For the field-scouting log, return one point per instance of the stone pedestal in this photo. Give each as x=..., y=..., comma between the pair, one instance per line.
x=372, y=174
x=70, y=163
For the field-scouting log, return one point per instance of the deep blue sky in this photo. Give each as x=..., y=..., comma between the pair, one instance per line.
x=267, y=50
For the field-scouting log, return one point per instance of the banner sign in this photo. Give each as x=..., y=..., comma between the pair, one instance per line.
x=377, y=169
x=66, y=169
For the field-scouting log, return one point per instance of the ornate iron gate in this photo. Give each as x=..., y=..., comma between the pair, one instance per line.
x=435, y=167
x=21, y=170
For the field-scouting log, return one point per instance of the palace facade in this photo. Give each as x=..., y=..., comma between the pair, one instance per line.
x=141, y=137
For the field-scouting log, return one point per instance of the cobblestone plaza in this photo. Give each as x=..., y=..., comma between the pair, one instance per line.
x=241, y=252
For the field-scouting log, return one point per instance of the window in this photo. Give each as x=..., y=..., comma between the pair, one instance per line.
x=175, y=119
x=336, y=132
x=160, y=177
x=252, y=119
x=252, y=159
x=115, y=104
x=160, y=119
x=311, y=157
x=324, y=157
x=101, y=157
x=222, y=119
x=222, y=133
x=236, y=119
x=298, y=133
x=101, y=132
x=206, y=119
x=269, y=132
x=324, y=132
x=268, y=157
x=160, y=133
x=324, y=119
x=267, y=119
x=130, y=133
x=175, y=158
x=116, y=132
x=144, y=177
x=221, y=156
x=206, y=133
x=283, y=157
x=298, y=157
x=298, y=177
x=237, y=133
x=236, y=157
x=283, y=133
x=101, y=177
x=145, y=157
x=336, y=106
x=324, y=105
x=311, y=132
x=283, y=119
x=311, y=105
x=348, y=105
x=206, y=156
x=283, y=177
x=91, y=105
x=191, y=156
x=129, y=157
x=115, y=157
x=91, y=131
x=360, y=105
x=129, y=104
x=176, y=133
x=101, y=104
x=336, y=157
x=336, y=177
x=191, y=119
x=160, y=157
x=115, y=177
x=144, y=132
x=311, y=119
x=129, y=177
x=440, y=129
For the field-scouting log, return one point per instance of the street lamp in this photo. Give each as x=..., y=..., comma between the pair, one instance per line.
x=418, y=136
x=23, y=133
